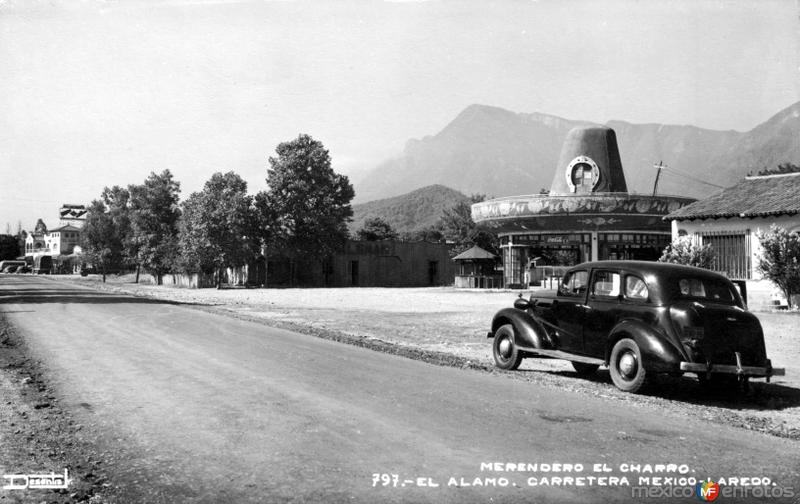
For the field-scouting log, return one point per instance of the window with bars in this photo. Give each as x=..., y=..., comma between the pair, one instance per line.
x=732, y=251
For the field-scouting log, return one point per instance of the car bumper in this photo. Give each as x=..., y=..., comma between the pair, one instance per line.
x=737, y=369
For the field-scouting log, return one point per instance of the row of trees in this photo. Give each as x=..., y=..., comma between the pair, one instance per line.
x=304, y=213
x=782, y=168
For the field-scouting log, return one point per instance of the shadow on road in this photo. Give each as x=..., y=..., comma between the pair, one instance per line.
x=758, y=396
x=66, y=296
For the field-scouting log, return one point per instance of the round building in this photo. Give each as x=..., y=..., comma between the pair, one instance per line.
x=588, y=214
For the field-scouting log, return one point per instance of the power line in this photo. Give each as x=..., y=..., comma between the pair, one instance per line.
x=679, y=173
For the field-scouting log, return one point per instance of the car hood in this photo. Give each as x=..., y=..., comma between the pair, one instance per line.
x=545, y=294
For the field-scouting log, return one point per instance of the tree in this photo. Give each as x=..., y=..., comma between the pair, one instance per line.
x=116, y=201
x=216, y=230
x=154, y=214
x=9, y=247
x=781, y=169
x=376, y=229
x=683, y=250
x=101, y=240
x=21, y=238
x=307, y=207
x=458, y=227
x=431, y=234
x=780, y=259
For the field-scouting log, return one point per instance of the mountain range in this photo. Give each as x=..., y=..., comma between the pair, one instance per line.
x=497, y=152
x=419, y=209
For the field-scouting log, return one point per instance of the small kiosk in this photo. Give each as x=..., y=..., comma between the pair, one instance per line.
x=477, y=270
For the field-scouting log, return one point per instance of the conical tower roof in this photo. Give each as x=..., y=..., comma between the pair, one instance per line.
x=589, y=163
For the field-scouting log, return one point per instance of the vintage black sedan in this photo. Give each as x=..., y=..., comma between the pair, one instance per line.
x=640, y=319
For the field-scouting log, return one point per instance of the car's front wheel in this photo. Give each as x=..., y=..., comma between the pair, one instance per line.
x=626, y=367
x=506, y=354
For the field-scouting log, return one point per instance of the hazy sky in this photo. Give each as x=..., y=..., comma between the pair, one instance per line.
x=96, y=93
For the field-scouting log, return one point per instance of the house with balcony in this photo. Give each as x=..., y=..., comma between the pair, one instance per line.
x=62, y=240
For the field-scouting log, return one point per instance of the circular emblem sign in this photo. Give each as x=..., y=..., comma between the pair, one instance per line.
x=582, y=174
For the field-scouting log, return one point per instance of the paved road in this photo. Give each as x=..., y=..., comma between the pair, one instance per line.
x=200, y=407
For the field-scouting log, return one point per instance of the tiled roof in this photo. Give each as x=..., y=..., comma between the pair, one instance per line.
x=475, y=252
x=752, y=197
x=66, y=227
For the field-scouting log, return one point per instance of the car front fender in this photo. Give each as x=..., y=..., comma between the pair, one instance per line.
x=529, y=333
x=658, y=353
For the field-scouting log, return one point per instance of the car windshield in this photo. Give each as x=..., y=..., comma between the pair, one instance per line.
x=705, y=288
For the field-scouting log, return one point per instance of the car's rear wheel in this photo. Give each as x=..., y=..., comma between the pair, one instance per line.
x=626, y=367
x=584, y=369
x=506, y=354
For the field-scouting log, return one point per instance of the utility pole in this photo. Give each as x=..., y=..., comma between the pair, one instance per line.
x=658, y=166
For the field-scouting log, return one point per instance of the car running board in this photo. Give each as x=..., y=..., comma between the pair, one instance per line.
x=558, y=354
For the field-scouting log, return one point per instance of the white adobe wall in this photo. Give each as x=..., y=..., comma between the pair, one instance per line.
x=760, y=291
x=738, y=225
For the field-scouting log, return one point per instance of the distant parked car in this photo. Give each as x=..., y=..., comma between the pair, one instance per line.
x=10, y=262
x=639, y=319
x=10, y=269
x=24, y=269
x=43, y=264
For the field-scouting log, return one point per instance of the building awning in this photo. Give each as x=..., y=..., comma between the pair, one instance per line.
x=577, y=213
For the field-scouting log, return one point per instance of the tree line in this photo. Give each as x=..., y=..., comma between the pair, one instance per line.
x=303, y=213
x=454, y=227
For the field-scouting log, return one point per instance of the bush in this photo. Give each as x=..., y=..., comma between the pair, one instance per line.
x=683, y=250
x=780, y=259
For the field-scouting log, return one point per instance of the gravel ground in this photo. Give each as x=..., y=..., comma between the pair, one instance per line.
x=448, y=326
x=37, y=436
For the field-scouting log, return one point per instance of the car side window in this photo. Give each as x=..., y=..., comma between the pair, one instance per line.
x=606, y=283
x=635, y=288
x=574, y=284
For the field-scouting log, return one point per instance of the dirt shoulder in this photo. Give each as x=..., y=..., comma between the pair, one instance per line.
x=37, y=436
x=445, y=326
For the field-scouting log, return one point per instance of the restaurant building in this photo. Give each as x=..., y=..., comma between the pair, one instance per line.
x=587, y=215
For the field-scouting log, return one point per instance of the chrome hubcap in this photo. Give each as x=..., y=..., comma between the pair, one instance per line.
x=627, y=365
x=505, y=348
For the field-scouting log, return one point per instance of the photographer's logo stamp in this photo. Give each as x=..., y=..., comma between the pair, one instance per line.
x=36, y=481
